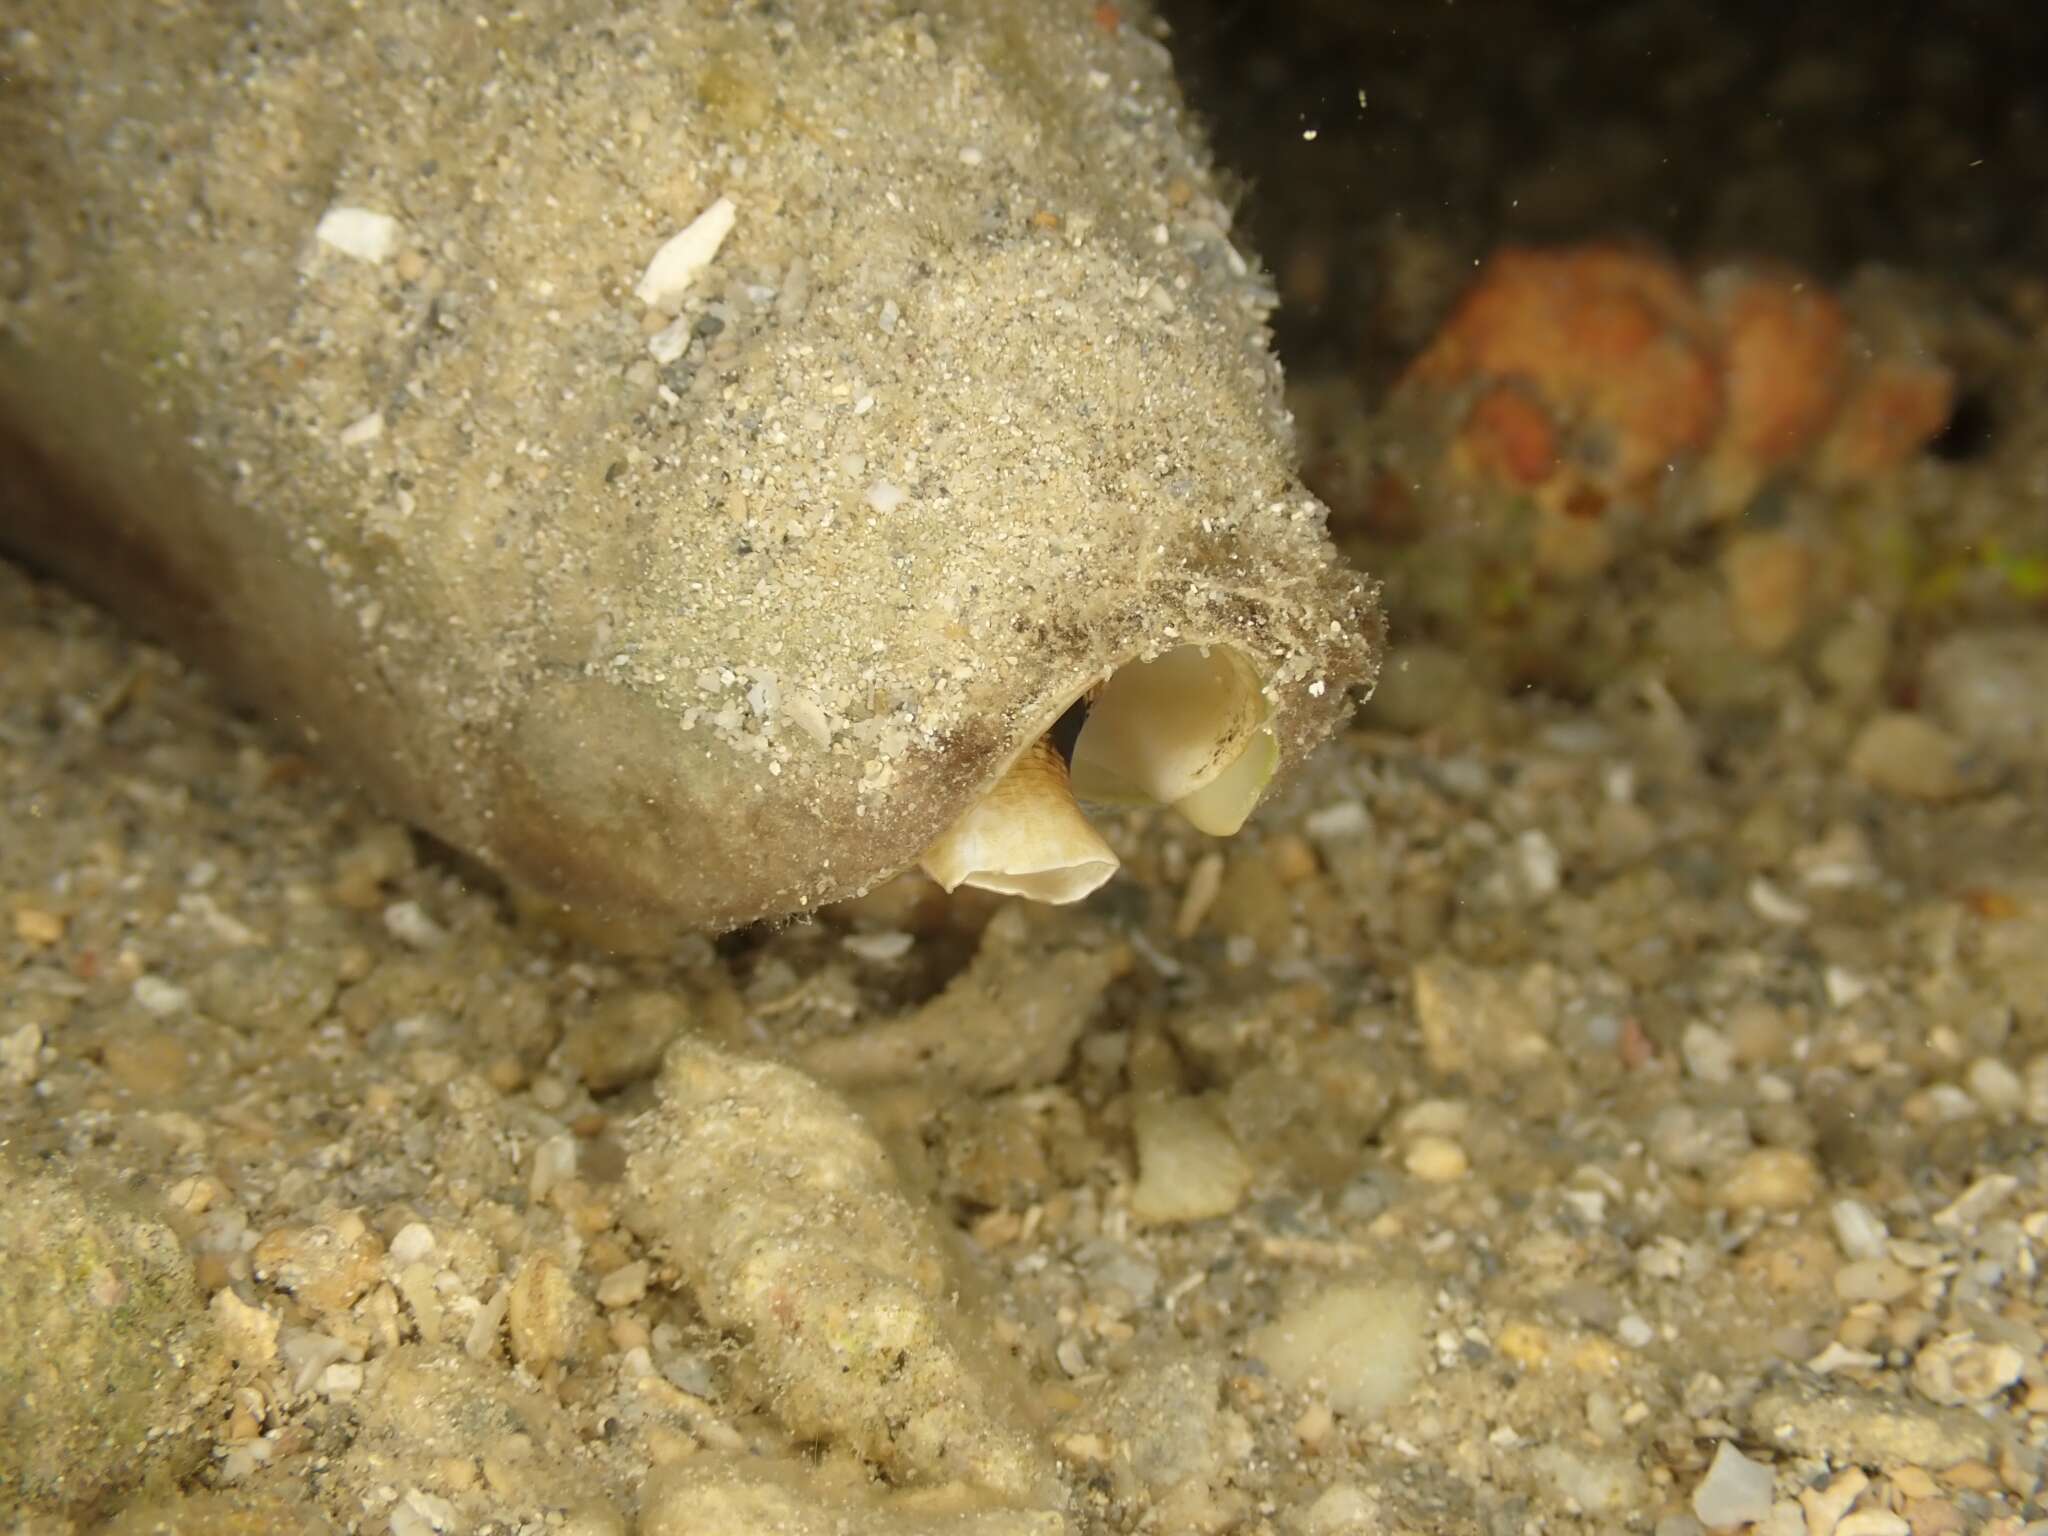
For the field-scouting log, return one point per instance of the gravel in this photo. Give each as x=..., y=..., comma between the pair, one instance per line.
x=1615, y=1107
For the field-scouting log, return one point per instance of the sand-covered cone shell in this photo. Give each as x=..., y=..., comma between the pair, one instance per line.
x=330, y=350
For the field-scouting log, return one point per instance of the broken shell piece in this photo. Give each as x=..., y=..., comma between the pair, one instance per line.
x=676, y=265
x=1025, y=837
x=1190, y=730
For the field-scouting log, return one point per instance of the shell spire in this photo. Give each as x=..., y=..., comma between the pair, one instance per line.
x=1025, y=837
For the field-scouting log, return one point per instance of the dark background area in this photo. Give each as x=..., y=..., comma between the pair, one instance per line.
x=1908, y=133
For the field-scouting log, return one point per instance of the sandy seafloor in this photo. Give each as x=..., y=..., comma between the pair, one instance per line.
x=1585, y=1080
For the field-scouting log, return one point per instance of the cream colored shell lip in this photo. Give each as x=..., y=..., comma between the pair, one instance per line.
x=1190, y=729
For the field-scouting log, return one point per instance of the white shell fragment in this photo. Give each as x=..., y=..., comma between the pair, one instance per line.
x=1025, y=837
x=359, y=232
x=364, y=429
x=676, y=265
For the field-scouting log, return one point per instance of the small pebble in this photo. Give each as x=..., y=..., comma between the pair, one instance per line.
x=1313, y=1427
x=342, y=1379
x=1204, y=885
x=1071, y=1356
x=671, y=341
x=1487, y=1025
x=1771, y=1179
x=407, y=922
x=1858, y=1229
x=1880, y=1280
x=21, y=1053
x=325, y=1265
x=435, y=1512
x=1844, y=987
x=412, y=1243
x=1762, y=1033
x=1825, y=1506
x=1909, y=756
x=1961, y=1369
x=1839, y=1357
x=554, y=1161
x=1682, y=1136
x=625, y=1285
x=1336, y=823
x=1735, y=1491
x=1540, y=863
x=1914, y=1482
x=1991, y=687
x=1342, y=1509
x=250, y=1333
x=1362, y=1346
x=308, y=1355
x=622, y=1039
x=1709, y=1054
x=1190, y=1168
x=545, y=1315
x=2035, y=1079
x=1975, y=1203
x=1436, y=1117
x=159, y=998
x=1774, y=906
x=362, y=233
x=1873, y=1522
x=1600, y=1484
x=1996, y=1086
x=33, y=925
x=1940, y=1104
x=1841, y=860
x=1769, y=577
x=1915, y=1255
x=884, y=948
x=1436, y=1160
